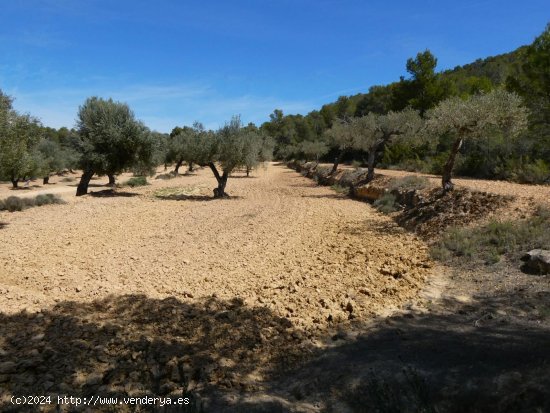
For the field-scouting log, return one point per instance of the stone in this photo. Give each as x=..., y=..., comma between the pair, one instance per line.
x=370, y=192
x=7, y=367
x=537, y=261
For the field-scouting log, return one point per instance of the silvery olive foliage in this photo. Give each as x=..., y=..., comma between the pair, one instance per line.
x=476, y=117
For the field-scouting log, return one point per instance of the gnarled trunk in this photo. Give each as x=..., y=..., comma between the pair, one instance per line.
x=247, y=171
x=46, y=180
x=112, y=180
x=82, y=188
x=15, y=183
x=219, y=192
x=446, y=182
x=371, y=163
x=177, y=168
x=190, y=169
x=337, y=161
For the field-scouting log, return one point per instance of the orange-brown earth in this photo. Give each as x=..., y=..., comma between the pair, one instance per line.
x=280, y=242
x=267, y=301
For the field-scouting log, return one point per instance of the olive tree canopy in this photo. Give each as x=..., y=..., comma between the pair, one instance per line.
x=373, y=132
x=111, y=139
x=19, y=135
x=231, y=147
x=341, y=137
x=475, y=118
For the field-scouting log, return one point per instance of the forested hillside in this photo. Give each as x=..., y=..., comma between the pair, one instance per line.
x=495, y=155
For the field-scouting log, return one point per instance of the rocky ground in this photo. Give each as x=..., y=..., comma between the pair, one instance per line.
x=287, y=297
x=163, y=289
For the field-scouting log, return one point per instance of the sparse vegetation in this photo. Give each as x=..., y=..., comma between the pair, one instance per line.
x=409, y=183
x=15, y=203
x=490, y=242
x=136, y=181
x=185, y=191
x=340, y=189
x=406, y=393
x=386, y=204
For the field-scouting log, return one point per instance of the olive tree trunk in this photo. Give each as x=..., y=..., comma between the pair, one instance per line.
x=82, y=188
x=337, y=161
x=446, y=182
x=219, y=192
x=46, y=180
x=190, y=169
x=14, y=182
x=112, y=180
x=178, y=165
x=371, y=163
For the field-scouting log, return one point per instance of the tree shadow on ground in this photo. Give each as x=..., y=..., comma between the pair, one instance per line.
x=111, y=193
x=91, y=185
x=3, y=225
x=183, y=197
x=134, y=346
x=242, y=177
x=341, y=197
x=304, y=185
x=470, y=359
x=478, y=357
x=24, y=188
x=180, y=197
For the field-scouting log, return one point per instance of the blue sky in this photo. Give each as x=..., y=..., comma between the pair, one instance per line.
x=175, y=62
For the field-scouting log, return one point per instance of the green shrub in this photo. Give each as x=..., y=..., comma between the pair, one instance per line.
x=413, y=165
x=408, y=183
x=67, y=179
x=47, y=199
x=386, y=204
x=356, y=165
x=15, y=203
x=323, y=170
x=340, y=189
x=496, y=239
x=136, y=181
x=537, y=172
x=437, y=163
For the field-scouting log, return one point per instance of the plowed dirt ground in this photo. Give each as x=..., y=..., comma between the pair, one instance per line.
x=285, y=297
x=279, y=242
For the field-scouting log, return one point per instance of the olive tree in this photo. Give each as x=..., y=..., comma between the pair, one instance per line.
x=341, y=137
x=224, y=151
x=111, y=139
x=184, y=145
x=313, y=149
x=258, y=148
x=19, y=135
x=373, y=132
x=477, y=117
x=54, y=158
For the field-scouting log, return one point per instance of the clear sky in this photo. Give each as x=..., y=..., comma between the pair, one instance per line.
x=175, y=61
